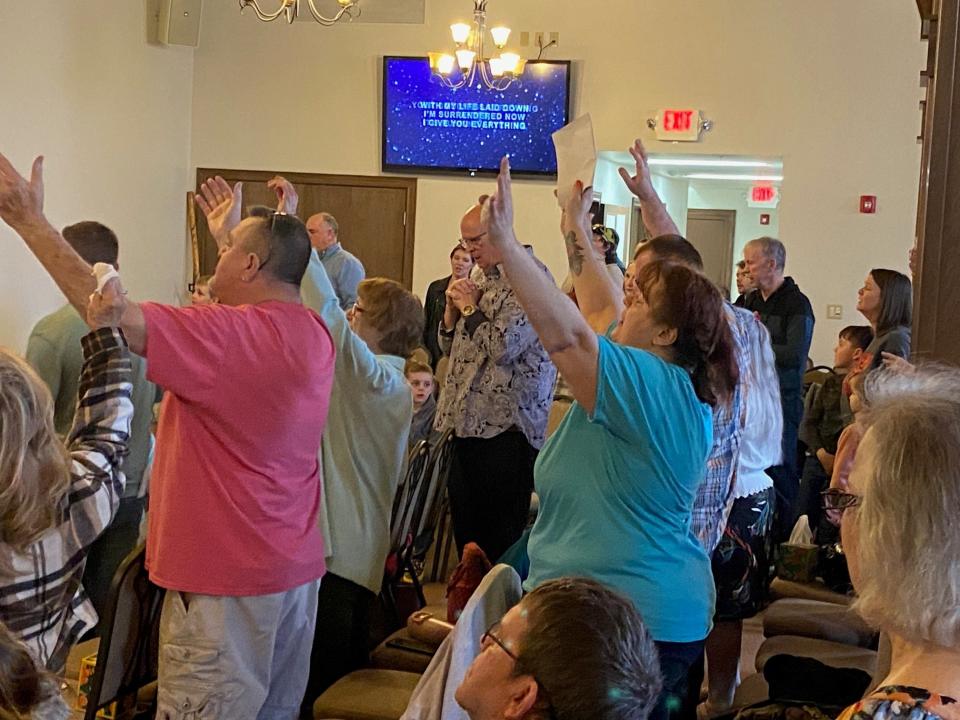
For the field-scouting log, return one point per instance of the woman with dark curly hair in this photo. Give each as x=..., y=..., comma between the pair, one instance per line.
x=617, y=480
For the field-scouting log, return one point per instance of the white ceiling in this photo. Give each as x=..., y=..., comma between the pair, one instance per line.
x=706, y=168
x=371, y=11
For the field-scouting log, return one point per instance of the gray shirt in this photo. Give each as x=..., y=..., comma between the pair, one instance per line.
x=500, y=377
x=345, y=273
x=55, y=353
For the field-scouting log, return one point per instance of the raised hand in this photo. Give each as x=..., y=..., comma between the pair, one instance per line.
x=105, y=309
x=287, y=198
x=499, y=208
x=221, y=205
x=639, y=184
x=21, y=200
x=576, y=213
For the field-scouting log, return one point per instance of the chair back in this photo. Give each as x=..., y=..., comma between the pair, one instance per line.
x=129, y=635
x=404, y=518
x=434, y=498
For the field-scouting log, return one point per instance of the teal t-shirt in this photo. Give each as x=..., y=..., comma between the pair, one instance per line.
x=617, y=490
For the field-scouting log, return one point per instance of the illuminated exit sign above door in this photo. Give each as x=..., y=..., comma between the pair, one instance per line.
x=763, y=196
x=678, y=125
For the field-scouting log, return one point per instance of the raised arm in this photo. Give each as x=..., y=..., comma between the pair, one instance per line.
x=564, y=332
x=21, y=207
x=221, y=205
x=654, y=213
x=600, y=301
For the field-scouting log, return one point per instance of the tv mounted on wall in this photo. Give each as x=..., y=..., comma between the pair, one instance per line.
x=427, y=127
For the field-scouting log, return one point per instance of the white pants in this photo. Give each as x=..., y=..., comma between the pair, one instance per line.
x=242, y=658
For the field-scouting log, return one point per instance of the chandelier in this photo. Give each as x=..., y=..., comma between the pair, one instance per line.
x=291, y=9
x=470, y=59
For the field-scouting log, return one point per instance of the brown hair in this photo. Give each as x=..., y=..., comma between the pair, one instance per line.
x=415, y=366
x=859, y=336
x=589, y=651
x=93, y=241
x=896, y=299
x=23, y=685
x=682, y=298
x=395, y=312
x=29, y=506
x=674, y=248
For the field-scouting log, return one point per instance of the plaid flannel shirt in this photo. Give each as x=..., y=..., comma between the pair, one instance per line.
x=714, y=496
x=41, y=598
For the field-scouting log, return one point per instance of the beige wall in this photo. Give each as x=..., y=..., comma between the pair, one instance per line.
x=829, y=86
x=80, y=85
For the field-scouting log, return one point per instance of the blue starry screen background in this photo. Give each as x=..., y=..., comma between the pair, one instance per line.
x=429, y=126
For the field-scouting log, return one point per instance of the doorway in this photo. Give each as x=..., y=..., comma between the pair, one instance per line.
x=376, y=215
x=712, y=232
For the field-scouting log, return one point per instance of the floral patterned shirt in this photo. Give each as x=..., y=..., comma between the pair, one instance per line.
x=500, y=377
x=899, y=702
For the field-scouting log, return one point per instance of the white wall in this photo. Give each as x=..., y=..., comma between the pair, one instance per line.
x=715, y=195
x=829, y=86
x=80, y=85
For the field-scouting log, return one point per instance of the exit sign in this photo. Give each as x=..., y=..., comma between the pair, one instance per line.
x=763, y=196
x=678, y=125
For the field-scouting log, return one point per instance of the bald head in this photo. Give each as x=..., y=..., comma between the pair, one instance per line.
x=473, y=235
x=323, y=230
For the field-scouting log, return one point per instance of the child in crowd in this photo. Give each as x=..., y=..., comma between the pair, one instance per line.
x=850, y=437
x=26, y=690
x=201, y=291
x=825, y=415
x=421, y=381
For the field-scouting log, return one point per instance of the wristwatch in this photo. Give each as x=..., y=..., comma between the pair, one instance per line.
x=468, y=310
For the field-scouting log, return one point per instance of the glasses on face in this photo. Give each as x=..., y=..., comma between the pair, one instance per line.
x=838, y=500
x=356, y=309
x=472, y=241
x=492, y=636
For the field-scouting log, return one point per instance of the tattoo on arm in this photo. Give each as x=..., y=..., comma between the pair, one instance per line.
x=574, y=253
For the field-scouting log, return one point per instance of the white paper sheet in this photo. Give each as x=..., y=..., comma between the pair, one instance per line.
x=576, y=156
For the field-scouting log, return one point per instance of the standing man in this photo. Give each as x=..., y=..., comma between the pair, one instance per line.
x=789, y=317
x=55, y=352
x=233, y=518
x=343, y=268
x=496, y=397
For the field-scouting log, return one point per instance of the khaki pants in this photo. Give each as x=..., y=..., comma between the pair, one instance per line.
x=235, y=657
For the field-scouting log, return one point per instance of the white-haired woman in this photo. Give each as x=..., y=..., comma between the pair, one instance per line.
x=902, y=540
x=56, y=498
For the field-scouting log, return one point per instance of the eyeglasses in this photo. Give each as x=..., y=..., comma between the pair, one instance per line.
x=838, y=500
x=356, y=309
x=467, y=242
x=492, y=636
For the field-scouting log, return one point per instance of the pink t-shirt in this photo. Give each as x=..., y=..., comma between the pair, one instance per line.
x=236, y=488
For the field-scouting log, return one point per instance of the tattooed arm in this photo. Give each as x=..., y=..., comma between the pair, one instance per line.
x=600, y=300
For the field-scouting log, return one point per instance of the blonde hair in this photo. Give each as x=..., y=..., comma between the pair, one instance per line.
x=29, y=505
x=908, y=538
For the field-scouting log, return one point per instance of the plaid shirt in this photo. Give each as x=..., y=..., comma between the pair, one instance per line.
x=714, y=497
x=41, y=599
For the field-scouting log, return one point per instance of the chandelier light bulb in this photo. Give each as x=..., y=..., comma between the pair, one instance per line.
x=511, y=63
x=460, y=32
x=500, y=35
x=445, y=64
x=465, y=59
x=496, y=67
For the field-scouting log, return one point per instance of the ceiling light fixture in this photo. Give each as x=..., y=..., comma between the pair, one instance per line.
x=722, y=176
x=291, y=10
x=468, y=61
x=704, y=162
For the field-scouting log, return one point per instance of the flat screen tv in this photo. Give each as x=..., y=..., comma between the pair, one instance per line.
x=428, y=127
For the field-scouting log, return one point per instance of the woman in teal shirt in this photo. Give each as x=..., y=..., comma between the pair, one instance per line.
x=617, y=480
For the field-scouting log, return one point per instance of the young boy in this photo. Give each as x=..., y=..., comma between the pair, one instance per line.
x=824, y=418
x=421, y=381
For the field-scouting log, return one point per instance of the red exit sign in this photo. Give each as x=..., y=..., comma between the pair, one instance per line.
x=678, y=124
x=763, y=196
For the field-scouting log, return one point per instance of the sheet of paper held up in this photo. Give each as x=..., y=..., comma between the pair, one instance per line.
x=576, y=156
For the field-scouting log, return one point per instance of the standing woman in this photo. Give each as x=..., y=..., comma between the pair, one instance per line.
x=461, y=263
x=886, y=301
x=617, y=480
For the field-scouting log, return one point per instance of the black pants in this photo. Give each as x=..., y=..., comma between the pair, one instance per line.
x=109, y=550
x=678, y=662
x=342, y=638
x=813, y=481
x=786, y=482
x=490, y=485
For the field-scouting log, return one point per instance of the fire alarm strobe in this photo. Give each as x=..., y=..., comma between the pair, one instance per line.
x=868, y=204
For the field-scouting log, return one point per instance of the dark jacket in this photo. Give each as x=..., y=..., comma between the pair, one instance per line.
x=433, y=307
x=789, y=318
x=824, y=420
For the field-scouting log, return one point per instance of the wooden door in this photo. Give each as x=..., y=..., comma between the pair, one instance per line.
x=711, y=232
x=376, y=215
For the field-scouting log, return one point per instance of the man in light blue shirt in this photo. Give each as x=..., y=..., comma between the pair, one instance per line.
x=343, y=268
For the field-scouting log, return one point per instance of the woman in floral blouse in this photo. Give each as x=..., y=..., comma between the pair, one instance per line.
x=902, y=540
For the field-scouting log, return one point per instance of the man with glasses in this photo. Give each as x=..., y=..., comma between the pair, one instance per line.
x=496, y=397
x=572, y=648
x=233, y=535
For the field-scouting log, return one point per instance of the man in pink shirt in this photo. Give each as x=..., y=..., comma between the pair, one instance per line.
x=233, y=531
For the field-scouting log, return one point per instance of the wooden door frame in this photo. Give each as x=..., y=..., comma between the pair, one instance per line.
x=408, y=184
x=730, y=218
